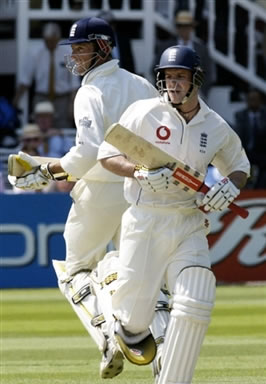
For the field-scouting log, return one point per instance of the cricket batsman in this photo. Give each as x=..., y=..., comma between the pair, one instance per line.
x=98, y=202
x=163, y=234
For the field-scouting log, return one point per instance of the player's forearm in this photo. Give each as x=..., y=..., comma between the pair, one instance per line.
x=55, y=168
x=239, y=179
x=119, y=165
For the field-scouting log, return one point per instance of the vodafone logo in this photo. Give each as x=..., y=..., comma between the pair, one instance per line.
x=163, y=132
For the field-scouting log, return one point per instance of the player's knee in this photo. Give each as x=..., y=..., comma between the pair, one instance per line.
x=194, y=294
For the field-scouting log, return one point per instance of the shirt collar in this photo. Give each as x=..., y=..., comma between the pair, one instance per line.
x=201, y=115
x=101, y=70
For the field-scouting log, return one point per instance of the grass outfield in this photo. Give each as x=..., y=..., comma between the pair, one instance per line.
x=42, y=341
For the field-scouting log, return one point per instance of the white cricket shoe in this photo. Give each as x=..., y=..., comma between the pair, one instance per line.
x=112, y=362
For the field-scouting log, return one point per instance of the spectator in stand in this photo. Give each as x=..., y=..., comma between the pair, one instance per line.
x=54, y=143
x=185, y=35
x=122, y=51
x=9, y=123
x=250, y=125
x=31, y=139
x=52, y=80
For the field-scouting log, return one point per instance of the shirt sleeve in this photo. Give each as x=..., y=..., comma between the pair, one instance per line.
x=128, y=120
x=89, y=120
x=232, y=156
x=107, y=150
x=131, y=116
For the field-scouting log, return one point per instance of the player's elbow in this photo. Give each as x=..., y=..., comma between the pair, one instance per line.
x=239, y=178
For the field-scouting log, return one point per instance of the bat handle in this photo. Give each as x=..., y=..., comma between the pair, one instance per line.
x=234, y=207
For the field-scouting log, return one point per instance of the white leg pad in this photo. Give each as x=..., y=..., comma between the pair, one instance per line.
x=87, y=307
x=193, y=301
x=104, y=280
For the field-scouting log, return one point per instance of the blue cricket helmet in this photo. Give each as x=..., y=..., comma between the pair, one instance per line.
x=183, y=57
x=90, y=29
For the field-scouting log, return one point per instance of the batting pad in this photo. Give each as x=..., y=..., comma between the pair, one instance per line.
x=192, y=305
x=84, y=303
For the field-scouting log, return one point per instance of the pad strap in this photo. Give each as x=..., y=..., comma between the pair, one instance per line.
x=81, y=294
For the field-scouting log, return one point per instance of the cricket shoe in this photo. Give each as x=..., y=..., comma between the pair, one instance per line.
x=112, y=362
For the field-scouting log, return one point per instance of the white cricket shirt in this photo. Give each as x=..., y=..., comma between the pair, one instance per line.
x=105, y=94
x=206, y=139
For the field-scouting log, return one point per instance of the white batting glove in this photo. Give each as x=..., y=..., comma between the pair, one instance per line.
x=153, y=179
x=28, y=163
x=38, y=178
x=12, y=180
x=220, y=196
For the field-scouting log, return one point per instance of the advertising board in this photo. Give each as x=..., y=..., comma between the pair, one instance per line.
x=31, y=236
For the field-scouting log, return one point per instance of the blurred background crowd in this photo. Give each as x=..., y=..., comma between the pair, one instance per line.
x=36, y=97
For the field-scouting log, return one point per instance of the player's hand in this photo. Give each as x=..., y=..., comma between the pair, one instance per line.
x=38, y=178
x=220, y=196
x=153, y=179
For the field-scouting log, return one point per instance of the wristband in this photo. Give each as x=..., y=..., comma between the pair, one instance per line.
x=44, y=168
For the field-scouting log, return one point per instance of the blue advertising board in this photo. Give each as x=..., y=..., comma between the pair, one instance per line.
x=31, y=236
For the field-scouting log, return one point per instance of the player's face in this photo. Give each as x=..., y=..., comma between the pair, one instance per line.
x=178, y=82
x=82, y=59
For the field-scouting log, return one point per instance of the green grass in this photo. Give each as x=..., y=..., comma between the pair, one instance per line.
x=42, y=341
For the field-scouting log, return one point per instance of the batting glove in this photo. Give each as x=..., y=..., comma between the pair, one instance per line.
x=220, y=196
x=153, y=179
x=38, y=178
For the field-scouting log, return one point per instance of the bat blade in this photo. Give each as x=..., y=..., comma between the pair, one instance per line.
x=143, y=152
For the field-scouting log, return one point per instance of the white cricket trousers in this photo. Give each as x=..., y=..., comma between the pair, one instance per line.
x=93, y=221
x=155, y=244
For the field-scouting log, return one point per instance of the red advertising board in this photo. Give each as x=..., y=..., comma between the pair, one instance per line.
x=238, y=246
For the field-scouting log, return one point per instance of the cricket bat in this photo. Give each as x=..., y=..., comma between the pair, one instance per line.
x=17, y=166
x=143, y=152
